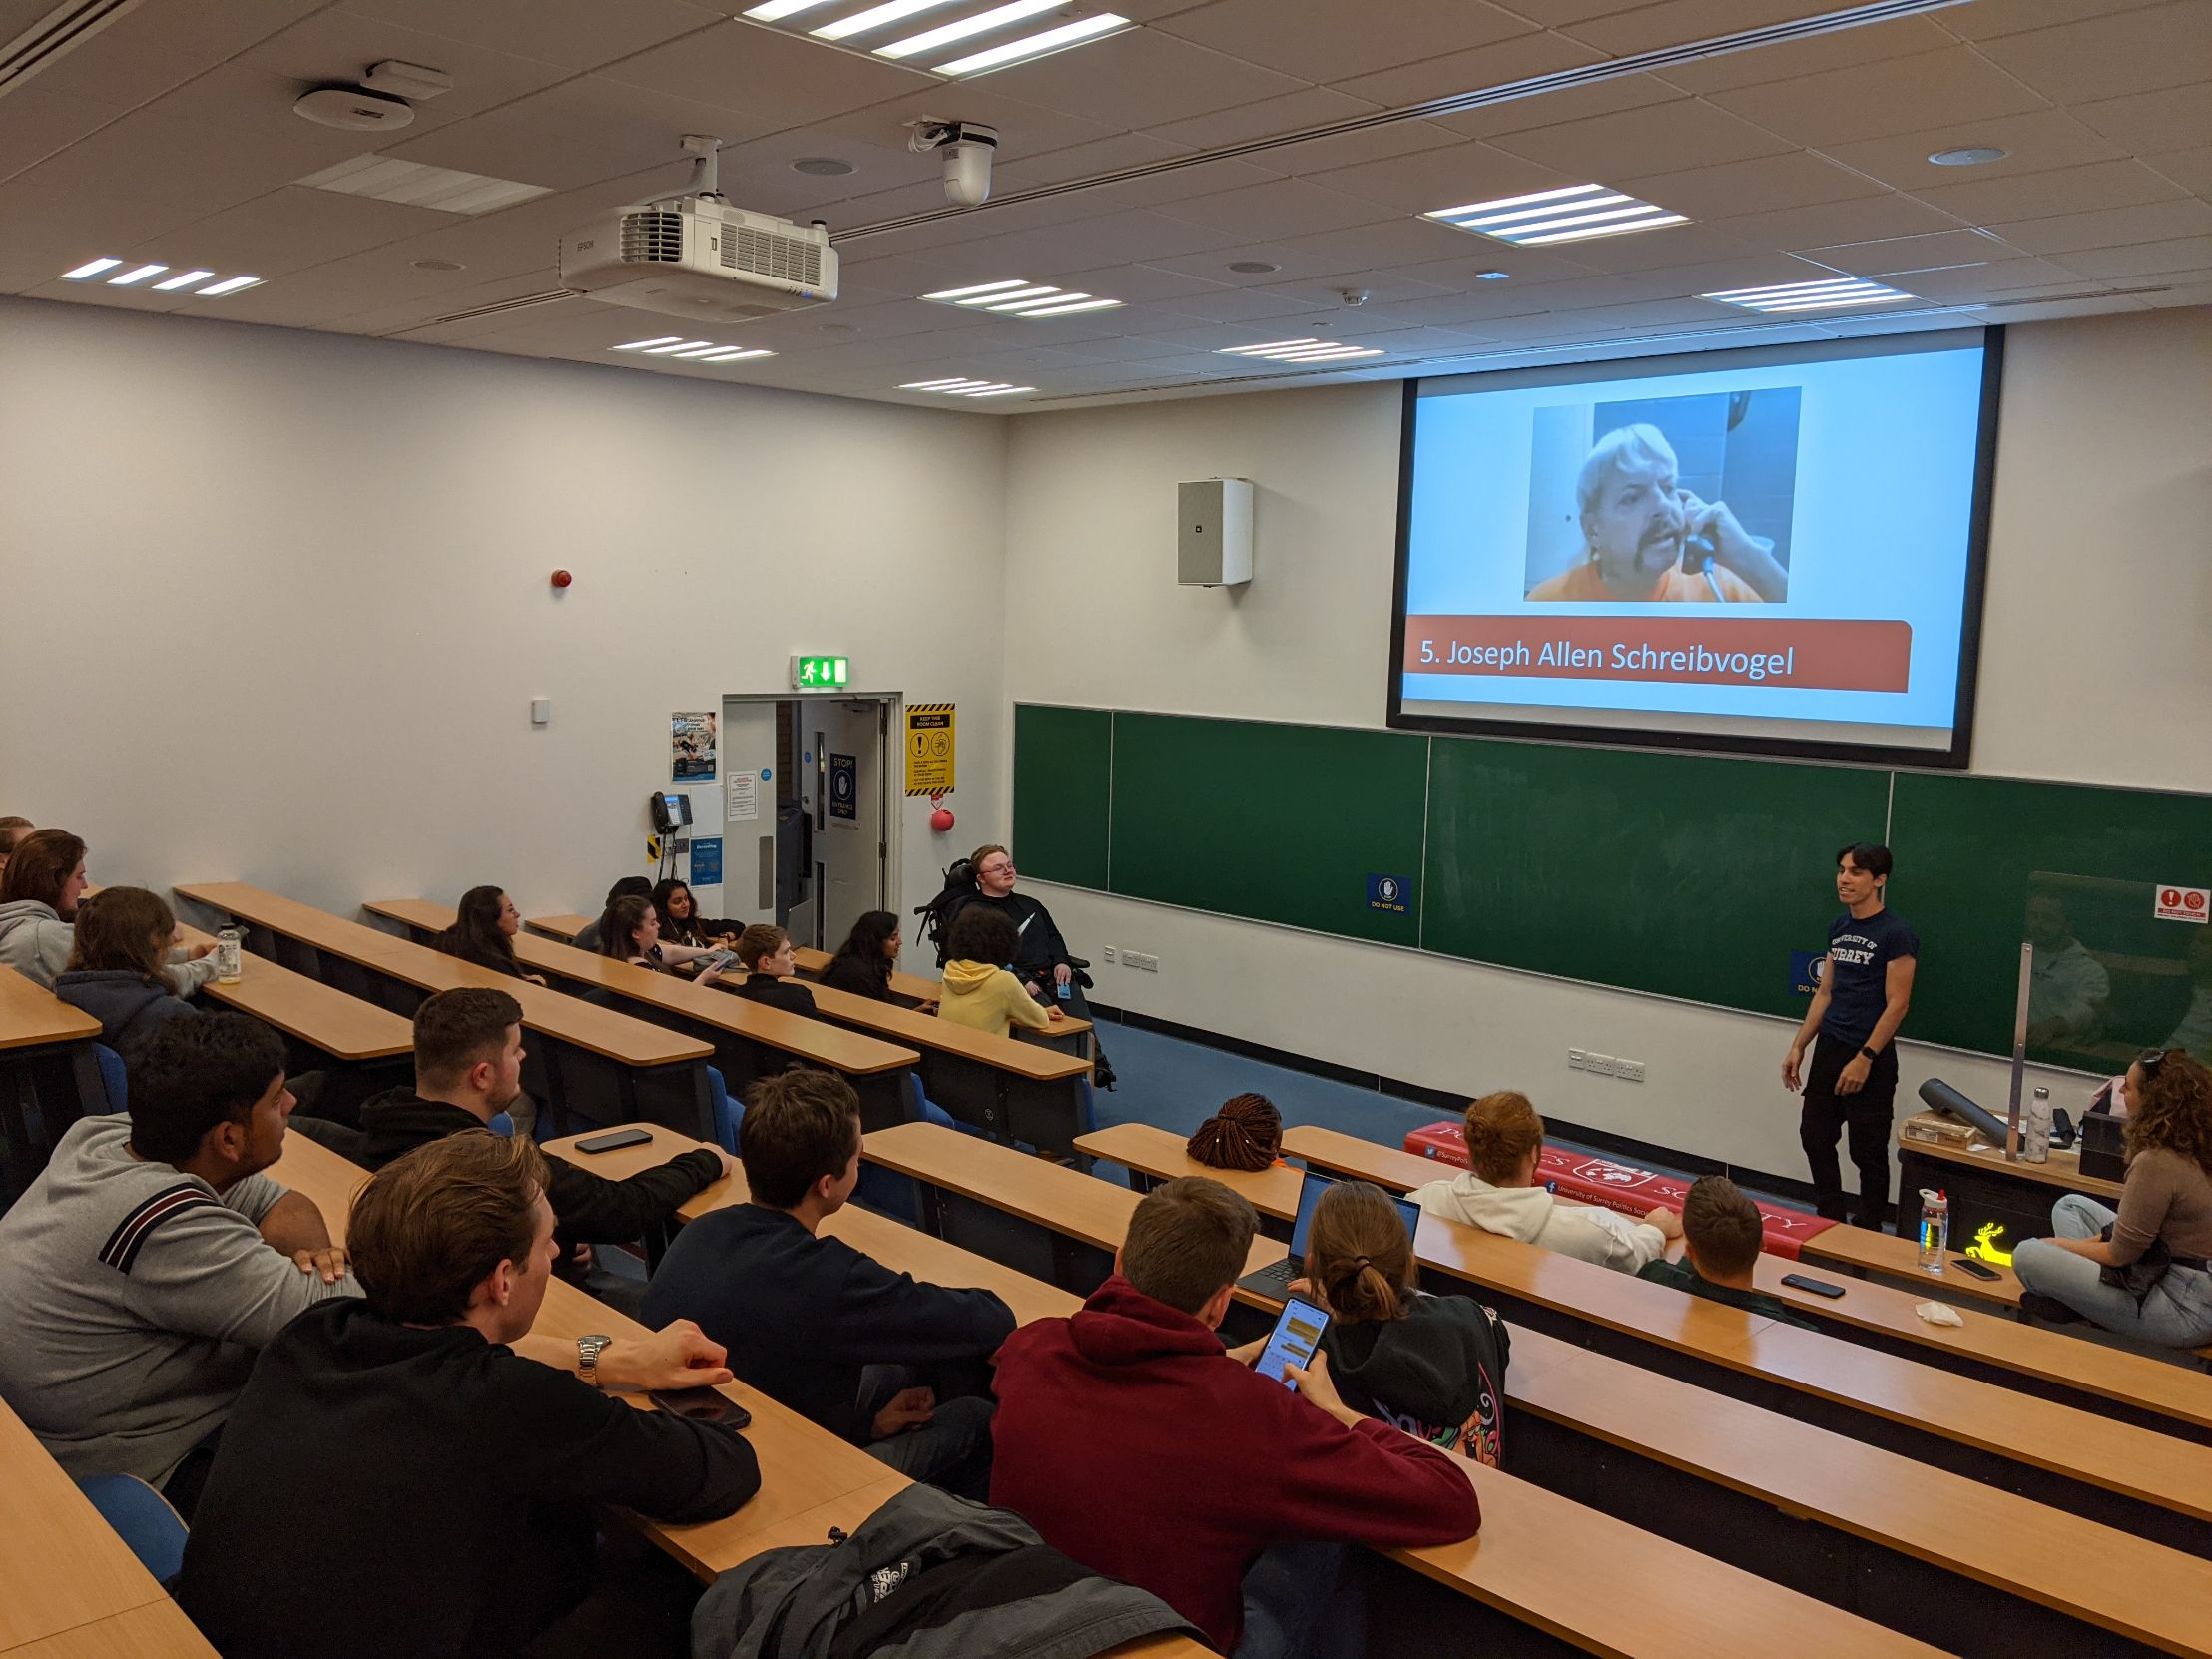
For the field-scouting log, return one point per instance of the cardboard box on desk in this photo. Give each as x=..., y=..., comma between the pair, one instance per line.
x=1939, y=1127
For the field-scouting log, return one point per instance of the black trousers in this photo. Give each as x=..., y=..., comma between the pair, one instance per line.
x=1866, y=1114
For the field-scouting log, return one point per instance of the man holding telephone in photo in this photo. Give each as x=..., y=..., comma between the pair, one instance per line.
x=1639, y=522
x=1866, y=985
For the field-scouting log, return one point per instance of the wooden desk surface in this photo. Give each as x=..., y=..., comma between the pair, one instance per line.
x=61, y=1565
x=2062, y=1173
x=627, y=1041
x=320, y=1015
x=900, y=1023
x=2052, y=1355
x=1154, y=1151
x=810, y=1039
x=1872, y=1252
x=158, y=1630
x=810, y=961
x=906, y=1249
x=1058, y=1199
x=31, y=1015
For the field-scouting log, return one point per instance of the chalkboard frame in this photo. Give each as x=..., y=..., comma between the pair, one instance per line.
x=1957, y=756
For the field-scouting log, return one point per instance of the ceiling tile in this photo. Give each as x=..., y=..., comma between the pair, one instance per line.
x=2174, y=118
x=1761, y=185
x=1628, y=29
x=1142, y=80
x=771, y=79
x=1521, y=57
x=580, y=34
x=1024, y=128
x=156, y=48
x=1553, y=109
x=2190, y=169
x=1873, y=100
x=2147, y=258
x=1670, y=244
x=1338, y=151
x=1863, y=219
x=1665, y=136
x=2044, y=194
x=1011, y=175
x=1241, y=305
x=293, y=228
x=1871, y=43
x=1296, y=111
x=1179, y=184
x=2110, y=56
x=2035, y=142
x=1394, y=244
x=1308, y=38
x=2111, y=228
x=1892, y=254
x=1984, y=282
x=1277, y=211
x=34, y=125
x=2019, y=16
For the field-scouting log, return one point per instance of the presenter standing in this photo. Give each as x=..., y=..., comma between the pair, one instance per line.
x=1866, y=985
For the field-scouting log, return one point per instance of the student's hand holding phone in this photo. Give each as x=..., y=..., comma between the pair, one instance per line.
x=1246, y=1353
x=1313, y=1382
x=909, y=1408
x=678, y=1356
x=709, y=976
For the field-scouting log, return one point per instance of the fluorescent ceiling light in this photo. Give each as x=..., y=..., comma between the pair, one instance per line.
x=876, y=17
x=1018, y=297
x=956, y=386
x=1572, y=213
x=680, y=345
x=643, y=345
x=736, y=354
x=175, y=285
x=772, y=10
x=683, y=351
x=675, y=348
x=411, y=184
x=89, y=269
x=229, y=284
x=182, y=279
x=982, y=23
x=132, y=277
x=1034, y=46
x=1301, y=351
x=1830, y=294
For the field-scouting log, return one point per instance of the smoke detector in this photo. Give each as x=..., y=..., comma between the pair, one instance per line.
x=380, y=102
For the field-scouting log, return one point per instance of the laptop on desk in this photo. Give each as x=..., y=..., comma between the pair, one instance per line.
x=1273, y=1281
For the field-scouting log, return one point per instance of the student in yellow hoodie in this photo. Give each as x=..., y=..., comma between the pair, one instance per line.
x=978, y=991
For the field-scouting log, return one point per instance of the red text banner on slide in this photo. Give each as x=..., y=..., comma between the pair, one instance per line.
x=1818, y=655
x=1636, y=1192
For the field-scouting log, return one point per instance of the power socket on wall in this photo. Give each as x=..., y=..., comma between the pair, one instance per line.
x=1138, y=960
x=1109, y=953
x=1605, y=1065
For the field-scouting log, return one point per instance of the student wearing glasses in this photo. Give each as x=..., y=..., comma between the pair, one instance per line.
x=2145, y=1270
x=1041, y=960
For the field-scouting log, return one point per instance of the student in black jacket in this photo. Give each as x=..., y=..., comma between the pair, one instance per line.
x=771, y=972
x=1042, y=961
x=468, y=1066
x=485, y=924
x=836, y=1336
x=398, y=1480
x=1433, y=1365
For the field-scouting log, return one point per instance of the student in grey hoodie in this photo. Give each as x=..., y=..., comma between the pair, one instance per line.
x=39, y=890
x=1501, y=1194
x=115, y=969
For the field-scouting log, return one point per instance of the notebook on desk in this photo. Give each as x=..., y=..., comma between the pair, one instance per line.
x=1273, y=1281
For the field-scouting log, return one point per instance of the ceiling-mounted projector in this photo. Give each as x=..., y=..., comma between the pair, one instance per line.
x=694, y=256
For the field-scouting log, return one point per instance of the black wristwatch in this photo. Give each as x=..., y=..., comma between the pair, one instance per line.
x=1867, y=1052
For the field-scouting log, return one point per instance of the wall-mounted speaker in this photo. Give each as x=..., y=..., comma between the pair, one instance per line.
x=1214, y=533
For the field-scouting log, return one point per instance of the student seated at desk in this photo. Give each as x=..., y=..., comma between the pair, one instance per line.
x=468, y=1069
x=836, y=1336
x=1246, y=1134
x=151, y=1259
x=117, y=967
x=630, y=886
x=1501, y=1194
x=1133, y=1442
x=2165, y=1214
x=770, y=974
x=398, y=1480
x=978, y=991
x=630, y=932
x=1433, y=1365
x=1721, y=1240
x=485, y=924
x=13, y=830
x=681, y=923
x=865, y=961
x=39, y=892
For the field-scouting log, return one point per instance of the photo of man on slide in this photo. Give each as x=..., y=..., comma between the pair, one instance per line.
x=1647, y=538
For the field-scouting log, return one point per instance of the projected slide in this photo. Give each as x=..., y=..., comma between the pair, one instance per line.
x=1767, y=549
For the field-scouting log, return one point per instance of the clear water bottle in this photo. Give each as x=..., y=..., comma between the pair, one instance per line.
x=1935, y=1230
x=2036, y=1140
x=230, y=966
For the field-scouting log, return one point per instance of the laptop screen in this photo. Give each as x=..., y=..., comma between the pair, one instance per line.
x=1309, y=1199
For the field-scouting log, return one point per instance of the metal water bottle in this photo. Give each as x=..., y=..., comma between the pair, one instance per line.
x=229, y=948
x=1935, y=1230
x=2035, y=1142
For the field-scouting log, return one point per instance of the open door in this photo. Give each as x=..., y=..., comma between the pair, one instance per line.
x=747, y=814
x=845, y=795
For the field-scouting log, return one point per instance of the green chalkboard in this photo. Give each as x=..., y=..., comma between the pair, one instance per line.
x=1274, y=823
x=1966, y=850
x=1690, y=876
x=1061, y=776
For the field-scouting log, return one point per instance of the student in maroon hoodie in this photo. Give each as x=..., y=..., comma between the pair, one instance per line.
x=1135, y=1443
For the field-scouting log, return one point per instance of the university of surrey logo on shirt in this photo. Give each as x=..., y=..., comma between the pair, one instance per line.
x=1854, y=948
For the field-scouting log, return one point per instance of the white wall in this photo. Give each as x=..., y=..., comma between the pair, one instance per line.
x=2096, y=666
x=273, y=604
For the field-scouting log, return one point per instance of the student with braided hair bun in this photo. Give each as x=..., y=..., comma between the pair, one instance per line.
x=1247, y=1134
x=1433, y=1365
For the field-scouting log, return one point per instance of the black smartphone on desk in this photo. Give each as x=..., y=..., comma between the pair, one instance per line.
x=1819, y=1286
x=1973, y=1269
x=703, y=1405
x=613, y=1139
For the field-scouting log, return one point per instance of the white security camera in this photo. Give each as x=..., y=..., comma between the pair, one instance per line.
x=968, y=147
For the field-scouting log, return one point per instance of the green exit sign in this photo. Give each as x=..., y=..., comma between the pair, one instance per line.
x=821, y=673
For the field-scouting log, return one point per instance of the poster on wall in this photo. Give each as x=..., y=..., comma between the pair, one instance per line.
x=692, y=749
x=931, y=744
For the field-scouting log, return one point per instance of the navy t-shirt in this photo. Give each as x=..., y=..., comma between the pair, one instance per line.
x=1859, y=958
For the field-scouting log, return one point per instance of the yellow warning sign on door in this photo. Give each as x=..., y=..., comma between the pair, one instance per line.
x=932, y=742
